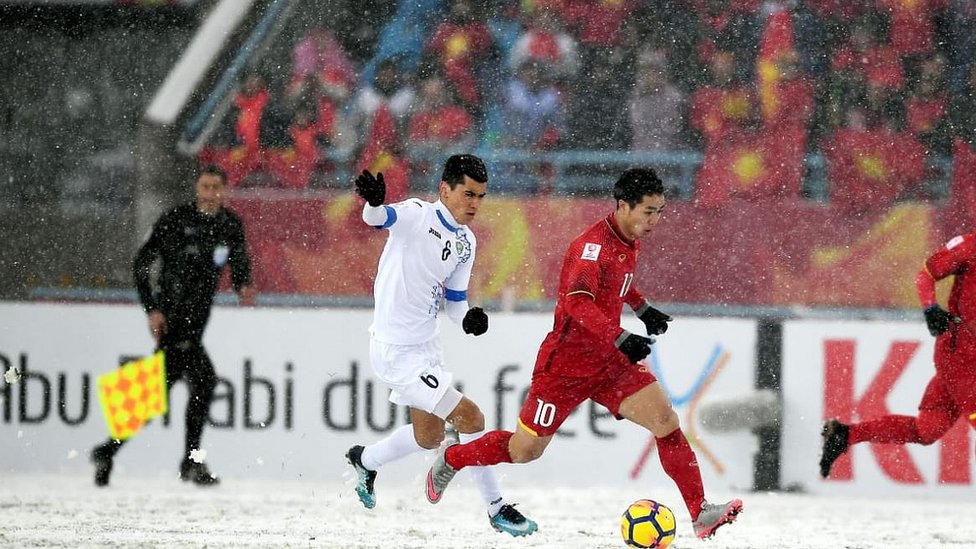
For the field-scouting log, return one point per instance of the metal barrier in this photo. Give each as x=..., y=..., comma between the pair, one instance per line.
x=589, y=172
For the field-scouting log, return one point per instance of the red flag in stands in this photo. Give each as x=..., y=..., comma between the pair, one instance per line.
x=775, y=43
x=872, y=168
x=718, y=112
x=752, y=166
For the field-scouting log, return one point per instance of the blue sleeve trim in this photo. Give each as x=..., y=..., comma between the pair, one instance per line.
x=391, y=217
x=455, y=295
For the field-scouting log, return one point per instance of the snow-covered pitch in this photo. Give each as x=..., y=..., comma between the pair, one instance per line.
x=69, y=511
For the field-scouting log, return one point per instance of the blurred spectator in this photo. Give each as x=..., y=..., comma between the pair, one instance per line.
x=464, y=50
x=927, y=106
x=534, y=113
x=546, y=42
x=390, y=95
x=598, y=112
x=868, y=58
x=962, y=43
x=656, y=107
x=911, y=27
x=238, y=146
x=729, y=26
x=598, y=23
x=291, y=163
x=322, y=72
x=319, y=56
x=533, y=118
x=962, y=112
x=725, y=105
x=439, y=125
x=250, y=103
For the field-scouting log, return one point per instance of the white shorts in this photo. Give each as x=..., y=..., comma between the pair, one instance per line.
x=415, y=375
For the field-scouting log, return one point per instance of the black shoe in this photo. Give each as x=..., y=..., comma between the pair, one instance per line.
x=365, y=477
x=101, y=457
x=197, y=473
x=835, y=443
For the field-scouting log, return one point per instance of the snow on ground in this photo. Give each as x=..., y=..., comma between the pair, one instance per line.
x=69, y=511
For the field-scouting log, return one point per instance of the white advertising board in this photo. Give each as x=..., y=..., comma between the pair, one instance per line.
x=296, y=392
x=858, y=371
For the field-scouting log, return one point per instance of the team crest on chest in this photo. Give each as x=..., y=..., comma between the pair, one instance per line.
x=463, y=246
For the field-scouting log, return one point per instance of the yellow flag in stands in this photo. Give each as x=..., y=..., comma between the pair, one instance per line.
x=133, y=394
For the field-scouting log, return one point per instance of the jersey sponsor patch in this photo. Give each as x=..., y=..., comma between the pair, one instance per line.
x=591, y=251
x=954, y=242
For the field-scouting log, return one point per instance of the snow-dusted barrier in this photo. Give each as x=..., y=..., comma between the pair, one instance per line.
x=296, y=392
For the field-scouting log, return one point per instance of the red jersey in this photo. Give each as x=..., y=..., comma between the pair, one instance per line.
x=958, y=258
x=595, y=281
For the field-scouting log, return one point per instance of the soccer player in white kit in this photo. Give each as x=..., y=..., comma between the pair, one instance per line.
x=427, y=259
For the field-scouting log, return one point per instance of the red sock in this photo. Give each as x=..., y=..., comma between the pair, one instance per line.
x=680, y=463
x=925, y=429
x=490, y=449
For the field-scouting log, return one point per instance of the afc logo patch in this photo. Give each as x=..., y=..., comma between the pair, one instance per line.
x=591, y=251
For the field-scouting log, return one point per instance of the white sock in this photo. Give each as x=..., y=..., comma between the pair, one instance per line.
x=398, y=444
x=485, y=479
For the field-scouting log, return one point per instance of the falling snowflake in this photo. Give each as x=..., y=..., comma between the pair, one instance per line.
x=12, y=375
x=198, y=455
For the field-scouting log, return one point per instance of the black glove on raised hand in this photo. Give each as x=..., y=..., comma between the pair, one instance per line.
x=475, y=321
x=634, y=346
x=655, y=321
x=372, y=189
x=938, y=319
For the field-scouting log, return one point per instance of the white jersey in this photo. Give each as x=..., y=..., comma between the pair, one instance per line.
x=427, y=258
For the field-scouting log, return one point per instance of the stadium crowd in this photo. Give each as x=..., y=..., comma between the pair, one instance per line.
x=881, y=90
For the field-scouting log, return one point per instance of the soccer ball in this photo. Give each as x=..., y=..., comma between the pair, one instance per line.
x=648, y=524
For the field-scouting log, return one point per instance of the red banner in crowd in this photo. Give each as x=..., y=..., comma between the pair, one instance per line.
x=777, y=253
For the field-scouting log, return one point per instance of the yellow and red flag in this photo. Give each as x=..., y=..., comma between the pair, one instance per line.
x=133, y=394
x=871, y=168
x=751, y=166
x=775, y=43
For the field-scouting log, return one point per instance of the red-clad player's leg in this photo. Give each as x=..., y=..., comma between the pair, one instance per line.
x=490, y=449
x=937, y=413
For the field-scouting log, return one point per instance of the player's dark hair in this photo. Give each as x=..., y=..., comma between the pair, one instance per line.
x=460, y=165
x=213, y=169
x=636, y=183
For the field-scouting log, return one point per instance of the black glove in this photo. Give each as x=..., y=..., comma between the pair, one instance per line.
x=634, y=346
x=938, y=319
x=655, y=320
x=372, y=189
x=475, y=321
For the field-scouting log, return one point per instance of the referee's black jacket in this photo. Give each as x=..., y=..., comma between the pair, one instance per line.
x=193, y=248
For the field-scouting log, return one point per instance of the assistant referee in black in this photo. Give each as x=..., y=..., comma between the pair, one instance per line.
x=193, y=243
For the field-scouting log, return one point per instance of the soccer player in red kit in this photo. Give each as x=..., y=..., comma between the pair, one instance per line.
x=951, y=392
x=587, y=355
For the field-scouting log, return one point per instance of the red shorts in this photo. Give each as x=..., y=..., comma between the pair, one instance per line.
x=553, y=397
x=952, y=389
